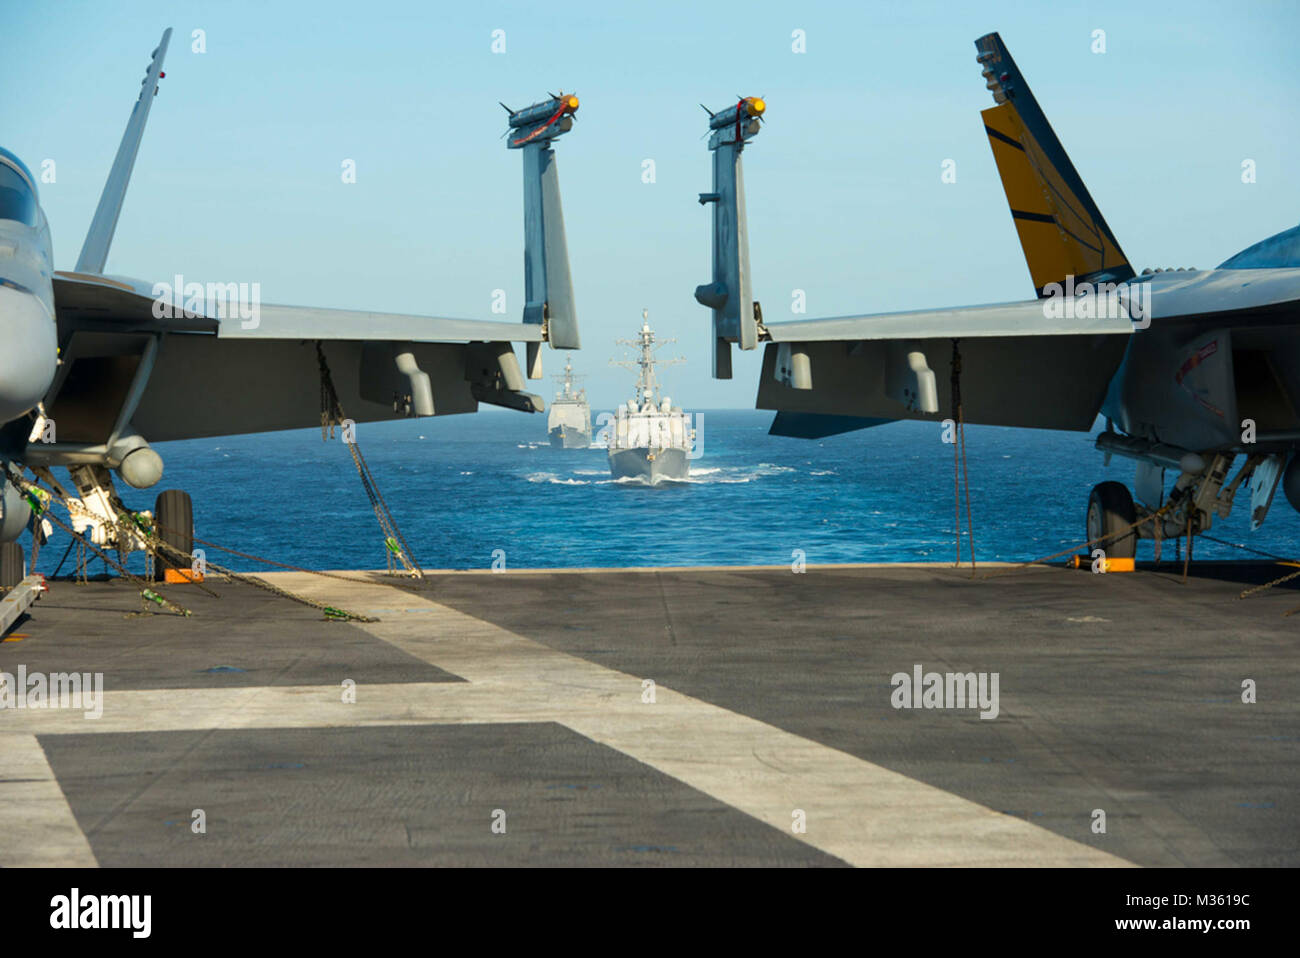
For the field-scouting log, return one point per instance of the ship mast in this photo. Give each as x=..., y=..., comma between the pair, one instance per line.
x=567, y=382
x=647, y=383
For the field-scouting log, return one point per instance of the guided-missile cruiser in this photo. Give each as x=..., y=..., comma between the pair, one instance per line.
x=650, y=438
x=569, y=421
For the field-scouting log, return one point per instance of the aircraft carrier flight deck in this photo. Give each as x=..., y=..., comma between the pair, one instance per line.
x=661, y=717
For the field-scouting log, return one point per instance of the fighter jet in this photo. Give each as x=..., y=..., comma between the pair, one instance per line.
x=1191, y=368
x=93, y=367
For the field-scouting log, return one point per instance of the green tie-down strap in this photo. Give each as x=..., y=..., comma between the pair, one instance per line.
x=37, y=498
x=393, y=547
x=152, y=596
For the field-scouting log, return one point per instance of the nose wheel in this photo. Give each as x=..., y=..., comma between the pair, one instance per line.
x=1111, y=515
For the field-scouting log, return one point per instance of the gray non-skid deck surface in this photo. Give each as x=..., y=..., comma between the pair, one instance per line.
x=1120, y=692
x=246, y=637
x=422, y=795
x=343, y=796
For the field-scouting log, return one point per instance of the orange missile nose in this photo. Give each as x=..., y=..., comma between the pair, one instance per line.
x=756, y=105
x=571, y=103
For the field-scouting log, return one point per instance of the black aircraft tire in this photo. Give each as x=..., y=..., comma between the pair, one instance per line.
x=1110, y=508
x=11, y=564
x=173, y=515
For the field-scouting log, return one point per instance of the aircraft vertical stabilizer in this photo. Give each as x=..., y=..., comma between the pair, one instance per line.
x=94, y=252
x=1061, y=230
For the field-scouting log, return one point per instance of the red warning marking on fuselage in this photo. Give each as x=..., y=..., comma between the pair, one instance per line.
x=1202, y=354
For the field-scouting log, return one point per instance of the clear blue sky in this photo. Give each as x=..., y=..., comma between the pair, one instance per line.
x=238, y=178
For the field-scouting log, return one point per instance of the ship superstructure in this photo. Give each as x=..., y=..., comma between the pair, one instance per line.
x=650, y=438
x=569, y=421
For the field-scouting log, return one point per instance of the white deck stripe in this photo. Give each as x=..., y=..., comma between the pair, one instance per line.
x=37, y=827
x=857, y=811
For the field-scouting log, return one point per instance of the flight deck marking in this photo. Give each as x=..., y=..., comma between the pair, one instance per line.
x=859, y=812
x=36, y=820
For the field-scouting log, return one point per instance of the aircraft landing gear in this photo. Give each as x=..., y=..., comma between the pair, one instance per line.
x=1110, y=510
x=174, y=521
x=11, y=564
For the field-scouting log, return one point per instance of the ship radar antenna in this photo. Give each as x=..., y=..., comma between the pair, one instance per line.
x=567, y=382
x=647, y=384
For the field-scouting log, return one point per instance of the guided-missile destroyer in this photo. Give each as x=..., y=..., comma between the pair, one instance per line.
x=650, y=438
x=569, y=421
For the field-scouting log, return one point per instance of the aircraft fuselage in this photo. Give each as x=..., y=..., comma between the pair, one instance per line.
x=27, y=326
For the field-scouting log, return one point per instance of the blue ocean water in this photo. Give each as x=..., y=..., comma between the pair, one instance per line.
x=462, y=487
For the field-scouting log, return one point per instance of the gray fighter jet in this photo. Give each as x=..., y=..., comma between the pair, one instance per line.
x=1191, y=368
x=94, y=367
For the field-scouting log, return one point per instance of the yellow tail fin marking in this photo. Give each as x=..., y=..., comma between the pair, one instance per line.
x=1059, y=237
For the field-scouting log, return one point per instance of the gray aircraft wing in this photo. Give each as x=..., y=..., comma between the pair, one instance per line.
x=215, y=386
x=122, y=304
x=1044, y=363
x=310, y=322
x=189, y=374
x=1020, y=364
x=997, y=320
x=177, y=364
x=1016, y=368
x=112, y=303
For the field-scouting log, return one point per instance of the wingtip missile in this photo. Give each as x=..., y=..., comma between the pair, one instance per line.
x=542, y=121
x=746, y=108
x=543, y=111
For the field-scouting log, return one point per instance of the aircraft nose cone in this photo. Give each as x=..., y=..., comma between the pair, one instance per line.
x=28, y=352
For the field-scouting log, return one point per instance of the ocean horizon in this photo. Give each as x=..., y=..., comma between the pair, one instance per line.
x=470, y=490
